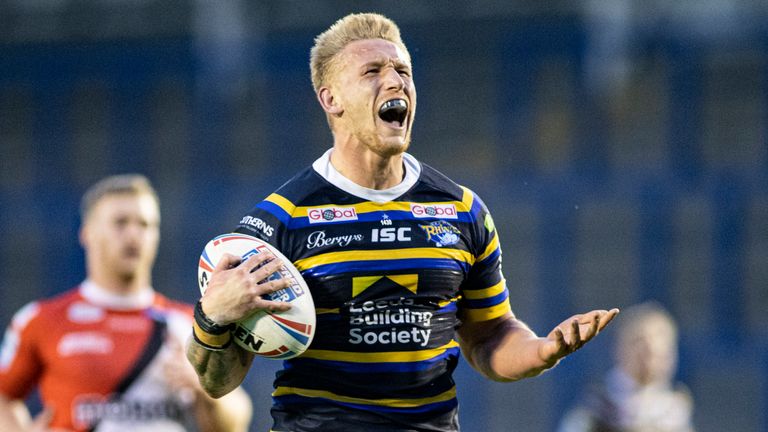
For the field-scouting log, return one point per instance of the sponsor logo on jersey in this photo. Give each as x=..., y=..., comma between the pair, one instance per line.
x=393, y=320
x=128, y=324
x=90, y=409
x=319, y=239
x=84, y=313
x=441, y=233
x=92, y=342
x=488, y=223
x=386, y=322
x=391, y=234
x=258, y=224
x=331, y=214
x=442, y=211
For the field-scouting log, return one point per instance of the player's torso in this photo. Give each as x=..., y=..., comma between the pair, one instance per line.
x=386, y=279
x=88, y=351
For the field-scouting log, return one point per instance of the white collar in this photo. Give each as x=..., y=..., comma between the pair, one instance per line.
x=412, y=167
x=103, y=298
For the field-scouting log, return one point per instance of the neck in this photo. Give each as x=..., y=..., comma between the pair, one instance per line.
x=119, y=284
x=367, y=168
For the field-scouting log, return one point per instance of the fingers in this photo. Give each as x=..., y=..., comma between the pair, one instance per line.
x=581, y=328
x=256, y=269
x=237, y=289
x=606, y=317
x=554, y=348
x=260, y=270
x=227, y=261
x=576, y=341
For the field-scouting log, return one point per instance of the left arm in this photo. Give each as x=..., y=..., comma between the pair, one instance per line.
x=505, y=349
x=229, y=413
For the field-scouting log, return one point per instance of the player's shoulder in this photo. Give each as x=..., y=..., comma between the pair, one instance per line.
x=169, y=305
x=432, y=178
x=435, y=182
x=59, y=302
x=176, y=314
x=304, y=184
x=295, y=192
x=52, y=308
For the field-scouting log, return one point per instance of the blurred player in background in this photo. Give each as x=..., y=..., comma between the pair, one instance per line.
x=108, y=355
x=404, y=265
x=638, y=394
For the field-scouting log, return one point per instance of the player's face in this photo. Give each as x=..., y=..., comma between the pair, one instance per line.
x=649, y=354
x=373, y=84
x=121, y=236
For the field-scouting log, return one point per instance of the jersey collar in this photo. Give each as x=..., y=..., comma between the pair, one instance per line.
x=412, y=167
x=99, y=296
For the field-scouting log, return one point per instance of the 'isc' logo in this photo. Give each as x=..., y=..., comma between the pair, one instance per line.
x=390, y=234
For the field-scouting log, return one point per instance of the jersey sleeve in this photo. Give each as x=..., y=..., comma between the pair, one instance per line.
x=268, y=220
x=20, y=364
x=484, y=294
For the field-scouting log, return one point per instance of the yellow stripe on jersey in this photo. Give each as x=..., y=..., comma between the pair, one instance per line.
x=383, y=255
x=378, y=357
x=485, y=292
x=281, y=202
x=491, y=248
x=397, y=403
x=467, y=199
x=477, y=315
x=445, y=303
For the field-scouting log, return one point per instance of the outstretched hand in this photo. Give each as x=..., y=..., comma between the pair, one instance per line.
x=573, y=333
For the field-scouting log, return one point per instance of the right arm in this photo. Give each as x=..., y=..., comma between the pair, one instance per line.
x=220, y=372
x=21, y=373
x=233, y=293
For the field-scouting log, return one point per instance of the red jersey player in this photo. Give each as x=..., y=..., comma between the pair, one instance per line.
x=108, y=355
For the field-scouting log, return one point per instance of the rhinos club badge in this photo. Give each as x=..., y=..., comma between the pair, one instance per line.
x=441, y=233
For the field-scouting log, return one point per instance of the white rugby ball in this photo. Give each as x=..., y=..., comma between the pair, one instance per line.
x=275, y=335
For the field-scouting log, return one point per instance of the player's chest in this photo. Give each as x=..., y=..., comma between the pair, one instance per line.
x=381, y=232
x=95, y=345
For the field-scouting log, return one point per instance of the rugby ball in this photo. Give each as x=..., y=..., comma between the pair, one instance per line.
x=274, y=335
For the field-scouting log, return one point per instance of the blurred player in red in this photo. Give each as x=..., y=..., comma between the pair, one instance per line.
x=108, y=355
x=639, y=393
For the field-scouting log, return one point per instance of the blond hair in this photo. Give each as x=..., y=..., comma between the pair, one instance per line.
x=351, y=28
x=130, y=184
x=635, y=318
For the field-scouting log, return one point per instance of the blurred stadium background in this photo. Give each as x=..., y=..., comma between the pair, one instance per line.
x=621, y=145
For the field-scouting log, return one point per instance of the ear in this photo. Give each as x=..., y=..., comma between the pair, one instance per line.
x=329, y=103
x=83, y=236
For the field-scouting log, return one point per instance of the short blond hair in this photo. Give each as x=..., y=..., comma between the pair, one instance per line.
x=635, y=318
x=351, y=28
x=130, y=184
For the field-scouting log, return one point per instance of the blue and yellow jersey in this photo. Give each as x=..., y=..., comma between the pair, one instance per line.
x=391, y=282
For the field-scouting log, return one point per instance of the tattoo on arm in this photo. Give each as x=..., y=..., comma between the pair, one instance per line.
x=219, y=372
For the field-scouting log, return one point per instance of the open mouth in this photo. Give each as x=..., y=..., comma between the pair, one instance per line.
x=394, y=111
